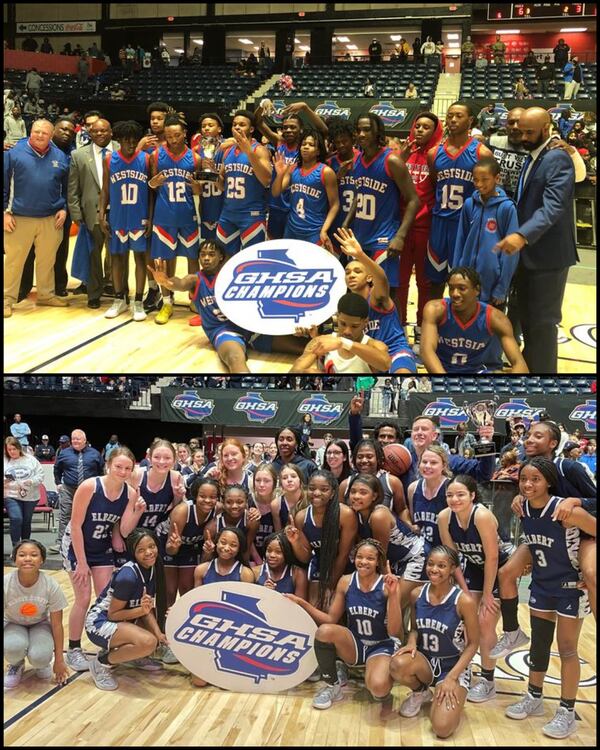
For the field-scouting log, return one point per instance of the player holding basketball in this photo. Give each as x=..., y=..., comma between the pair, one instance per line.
x=175, y=231
x=451, y=168
x=381, y=179
x=458, y=330
x=125, y=188
x=245, y=179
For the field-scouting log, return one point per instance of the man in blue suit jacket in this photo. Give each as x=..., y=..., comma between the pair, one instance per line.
x=545, y=238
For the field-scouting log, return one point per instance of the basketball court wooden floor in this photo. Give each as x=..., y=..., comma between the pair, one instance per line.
x=79, y=340
x=161, y=708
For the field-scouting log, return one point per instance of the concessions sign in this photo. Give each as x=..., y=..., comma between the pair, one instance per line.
x=275, y=286
x=242, y=637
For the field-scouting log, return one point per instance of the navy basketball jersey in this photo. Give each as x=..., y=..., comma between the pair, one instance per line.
x=378, y=209
x=284, y=584
x=425, y=512
x=265, y=528
x=211, y=198
x=441, y=629
x=128, y=193
x=157, y=503
x=213, y=575
x=383, y=478
x=468, y=541
x=308, y=200
x=366, y=611
x=282, y=202
x=126, y=584
x=385, y=325
x=100, y=517
x=242, y=524
x=553, y=548
x=313, y=534
x=174, y=205
x=454, y=177
x=345, y=188
x=402, y=543
x=203, y=296
x=463, y=347
x=245, y=195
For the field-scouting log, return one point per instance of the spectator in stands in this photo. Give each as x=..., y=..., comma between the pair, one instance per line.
x=408, y=384
x=286, y=83
x=416, y=45
x=424, y=384
x=44, y=451
x=509, y=467
x=498, y=49
x=252, y=64
x=64, y=441
x=467, y=50
x=93, y=51
x=428, y=51
x=439, y=53
x=545, y=76
x=112, y=444
x=33, y=83
x=165, y=57
x=389, y=396
x=23, y=475
x=83, y=70
x=14, y=126
x=29, y=44
x=561, y=54
x=369, y=88
x=403, y=50
x=67, y=49
x=9, y=101
x=33, y=107
x=129, y=58
x=481, y=63
x=520, y=88
x=588, y=457
x=572, y=78
x=20, y=430
x=463, y=440
x=488, y=119
x=72, y=466
x=530, y=61
x=46, y=47
x=53, y=110
x=78, y=50
x=411, y=91
x=375, y=51
x=122, y=56
x=564, y=122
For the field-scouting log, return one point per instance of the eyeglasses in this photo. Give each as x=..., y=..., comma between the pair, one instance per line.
x=334, y=453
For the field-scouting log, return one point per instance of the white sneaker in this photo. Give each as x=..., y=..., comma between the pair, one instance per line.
x=412, y=705
x=315, y=676
x=508, y=642
x=167, y=656
x=75, y=659
x=561, y=725
x=327, y=697
x=118, y=306
x=14, y=675
x=527, y=706
x=137, y=308
x=102, y=676
x=483, y=690
x=147, y=664
x=45, y=673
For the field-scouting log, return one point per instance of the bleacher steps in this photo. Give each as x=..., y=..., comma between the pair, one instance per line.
x=447, y=92
x=251, y=102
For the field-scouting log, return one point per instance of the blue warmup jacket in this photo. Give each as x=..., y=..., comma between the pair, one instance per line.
x=480, y=228
x=35, y=185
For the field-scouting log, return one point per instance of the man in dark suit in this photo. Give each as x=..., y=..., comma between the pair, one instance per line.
x=85, y=183
x=545, y=239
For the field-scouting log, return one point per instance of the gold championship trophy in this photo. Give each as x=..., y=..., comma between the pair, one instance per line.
x=209, y=146
x=481, y=414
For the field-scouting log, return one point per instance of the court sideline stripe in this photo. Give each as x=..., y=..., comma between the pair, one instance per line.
x=38, y=701
x=78, y=346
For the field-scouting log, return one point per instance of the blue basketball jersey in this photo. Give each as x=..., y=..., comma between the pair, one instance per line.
x=174, y=205
x=441, y=629
x=284, y=584
x=242, y=524
x=211, y=198
x=425, y=512
x=463, y=347
x=313, y=534
x=553, y=548
x=385, y=325
x=345, y=188
x=366, y=611
x=402, y=543
x=468, y=541
x=282, y=202
x=100, y=517
x=454, y=177
x=383, y=477
x=245, y=196
x=308, y=200
x=157, y=503
x=203, y=297
x=126, y=584
x=378, y=210
x=128, y=192
x=213, y=575
x=265, y=527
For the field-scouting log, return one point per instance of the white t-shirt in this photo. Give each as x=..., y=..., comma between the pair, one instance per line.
x=334, y=362
x=31, y=605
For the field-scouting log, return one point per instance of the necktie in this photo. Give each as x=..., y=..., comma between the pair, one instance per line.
x=104, y=152
x=524, y=169
x=80, y=469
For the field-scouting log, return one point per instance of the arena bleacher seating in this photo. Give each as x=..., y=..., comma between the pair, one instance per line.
x=516, y=386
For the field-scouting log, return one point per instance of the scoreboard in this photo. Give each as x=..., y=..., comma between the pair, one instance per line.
x=518, y=11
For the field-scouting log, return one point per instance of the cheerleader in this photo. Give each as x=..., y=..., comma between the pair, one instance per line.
x=442, y=642
x=555, y=599
x=370, y=599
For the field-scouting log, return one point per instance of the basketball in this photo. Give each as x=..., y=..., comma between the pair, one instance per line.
x=397, y=459
x=29, y=609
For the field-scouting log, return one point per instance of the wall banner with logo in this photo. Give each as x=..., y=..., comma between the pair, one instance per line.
x=573, y=410
x=397, y=114
x=241, y=408
x=242, y=637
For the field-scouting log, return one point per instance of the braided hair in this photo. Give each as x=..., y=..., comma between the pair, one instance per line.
x=330, y=535
x=381, y=558
x=284, y=543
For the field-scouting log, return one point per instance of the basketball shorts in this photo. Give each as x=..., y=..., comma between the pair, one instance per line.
x=391, y=266
x=276, y=224
x=209, y=230
x=411, y=568
x=441, y=667
x=440, y=248
x=122, y=240
x=171, y=242
x=313, y=236
x=365, y=650
x=473, y=575
x=188, y=556
x=95, y=558
x=241, y=233
x=100, y=629
x=568, y=602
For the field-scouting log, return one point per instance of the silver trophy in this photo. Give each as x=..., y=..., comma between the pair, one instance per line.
x=481, y=414
x=209, y=146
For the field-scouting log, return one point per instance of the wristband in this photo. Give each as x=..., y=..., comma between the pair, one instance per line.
x=346, y=343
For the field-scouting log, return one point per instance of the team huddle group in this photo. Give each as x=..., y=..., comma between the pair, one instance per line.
x=352, y=544
x=434, y=206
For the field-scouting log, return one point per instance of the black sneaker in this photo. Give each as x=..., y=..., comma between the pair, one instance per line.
x=153, y=300
x=81, y=289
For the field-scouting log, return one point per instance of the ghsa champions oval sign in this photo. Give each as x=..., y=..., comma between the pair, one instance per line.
x=242, y=637
x=275, y=286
